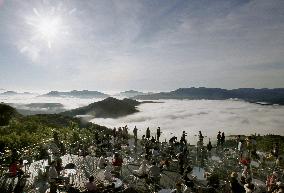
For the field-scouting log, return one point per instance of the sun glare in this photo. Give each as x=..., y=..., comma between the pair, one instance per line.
x=46, y=27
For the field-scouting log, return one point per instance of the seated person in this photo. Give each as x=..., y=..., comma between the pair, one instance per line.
x=164, y=164
x=107, y=173
x=187, y=178
x=236, y=187
x=249, y=186
x=271, y=182
x=102, y=162
x=178, y=188
x=155, y=152
x=117, y=160
x=58, y=165
x=245, y=174
x=53, y=177
x=15, y=169
x=52, y=173
x=91, y=185
x=213, y=180
x=142, y=171
x=154, y=171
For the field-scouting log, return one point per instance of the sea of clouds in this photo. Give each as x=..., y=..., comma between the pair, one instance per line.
x=230, y=116
x=173, y=116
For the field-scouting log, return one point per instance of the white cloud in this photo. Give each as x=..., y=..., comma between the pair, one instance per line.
x=174, y=116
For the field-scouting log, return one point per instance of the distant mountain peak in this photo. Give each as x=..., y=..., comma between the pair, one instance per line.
x=271, y=96
x=130, y=93
x=77, y=93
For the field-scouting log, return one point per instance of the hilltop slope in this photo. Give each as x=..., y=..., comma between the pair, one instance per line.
x=107, y=108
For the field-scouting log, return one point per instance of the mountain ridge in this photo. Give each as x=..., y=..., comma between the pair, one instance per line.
x=269, y=96
x=76, y=93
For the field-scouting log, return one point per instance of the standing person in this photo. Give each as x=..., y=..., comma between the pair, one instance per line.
x=135, y=134
x=148, y=135
x=125, y=133
x=223, y=139
x=158, y=134
x=201, y=137
x=209, y=147
x=219, y=138
x=183, y=140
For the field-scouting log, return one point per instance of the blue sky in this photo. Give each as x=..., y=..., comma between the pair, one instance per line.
x=143, y=45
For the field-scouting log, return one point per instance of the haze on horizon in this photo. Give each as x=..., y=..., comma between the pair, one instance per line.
x=141, y=45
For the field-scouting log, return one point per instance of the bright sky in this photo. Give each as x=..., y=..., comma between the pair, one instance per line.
x=142, y=45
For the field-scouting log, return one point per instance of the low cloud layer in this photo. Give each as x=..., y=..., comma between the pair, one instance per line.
x=232, y=117
x=174, y=116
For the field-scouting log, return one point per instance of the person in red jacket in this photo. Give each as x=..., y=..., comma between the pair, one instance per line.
x=117, y=160
x=15, y=169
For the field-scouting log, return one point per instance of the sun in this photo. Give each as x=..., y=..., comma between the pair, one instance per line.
x=46, y=27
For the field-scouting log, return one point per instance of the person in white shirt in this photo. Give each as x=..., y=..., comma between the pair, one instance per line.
x=102, y=162
x=142, y=171
x=107, y=173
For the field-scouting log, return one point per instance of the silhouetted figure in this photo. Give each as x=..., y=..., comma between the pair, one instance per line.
x=182, y=139
x=223, y=139
x=219, y=139
x=135, y=133
x=201, y=137
x=158, y=134
x=172, y=140
x=209, y=146
x=148, y=135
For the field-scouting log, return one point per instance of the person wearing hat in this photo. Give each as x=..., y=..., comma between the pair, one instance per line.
x=236, y=187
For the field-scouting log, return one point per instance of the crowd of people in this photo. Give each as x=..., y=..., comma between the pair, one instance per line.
x=152, y=159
